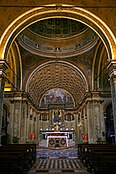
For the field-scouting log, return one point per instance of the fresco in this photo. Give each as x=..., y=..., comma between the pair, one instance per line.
x=57, y=97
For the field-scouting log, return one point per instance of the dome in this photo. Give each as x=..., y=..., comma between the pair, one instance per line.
x=57, y=37
x=57, y=27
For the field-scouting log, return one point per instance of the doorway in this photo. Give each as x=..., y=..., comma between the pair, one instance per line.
x=109, y=123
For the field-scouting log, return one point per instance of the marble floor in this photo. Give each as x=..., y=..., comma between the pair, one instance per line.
x=57, y=161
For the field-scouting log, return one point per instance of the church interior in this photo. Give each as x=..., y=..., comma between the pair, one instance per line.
x=58, y=84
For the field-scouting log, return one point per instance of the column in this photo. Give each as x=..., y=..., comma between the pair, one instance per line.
x=3, y=67
x=112, y=75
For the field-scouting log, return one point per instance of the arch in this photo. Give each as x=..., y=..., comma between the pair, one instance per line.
x=99, y=68
x=63, y=63
x=52, y=11
x=14, y=72
x=106, y=105
x=109, y=125
x=48, y=69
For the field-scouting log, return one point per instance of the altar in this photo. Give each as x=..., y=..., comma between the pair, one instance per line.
x=57, y=141
x=58, y=138
x=56, y=133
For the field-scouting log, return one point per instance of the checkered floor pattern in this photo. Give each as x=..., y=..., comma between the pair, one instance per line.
x=57, y=161
x=56, y=164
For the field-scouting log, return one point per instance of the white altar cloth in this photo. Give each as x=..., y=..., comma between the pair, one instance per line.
x=59, y=137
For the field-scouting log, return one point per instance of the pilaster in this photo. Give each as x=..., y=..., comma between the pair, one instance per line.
x=112, y=75
x=94, y=117
x=3, y=67
x=17, y=117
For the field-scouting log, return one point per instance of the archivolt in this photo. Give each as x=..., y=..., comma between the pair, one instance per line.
x=74, y=13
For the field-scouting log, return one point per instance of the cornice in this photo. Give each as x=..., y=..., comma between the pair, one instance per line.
x=58, y=48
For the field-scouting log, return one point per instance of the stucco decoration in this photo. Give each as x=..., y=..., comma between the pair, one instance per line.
x=56, y=75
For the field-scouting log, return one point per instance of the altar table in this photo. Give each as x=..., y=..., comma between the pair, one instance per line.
x=57, y=141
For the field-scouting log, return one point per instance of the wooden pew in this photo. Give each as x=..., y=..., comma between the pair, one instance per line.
x=17, y=158
x=96, y=157
x=30, y=147
x=14, y=162
x=84, y=148
x=98, y=162
x=111, y=167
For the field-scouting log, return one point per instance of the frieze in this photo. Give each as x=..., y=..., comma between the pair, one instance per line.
x=20, y=97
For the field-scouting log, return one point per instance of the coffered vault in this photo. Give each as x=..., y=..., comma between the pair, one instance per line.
x=56, y=75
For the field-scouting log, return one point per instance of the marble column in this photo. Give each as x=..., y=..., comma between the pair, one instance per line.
x=3, y=67
x=112, y=75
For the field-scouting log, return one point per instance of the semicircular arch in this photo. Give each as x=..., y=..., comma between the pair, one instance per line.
x=74, y=13
x=57, y=74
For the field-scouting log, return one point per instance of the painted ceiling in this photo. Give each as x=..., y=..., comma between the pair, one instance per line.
x=57, y=54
